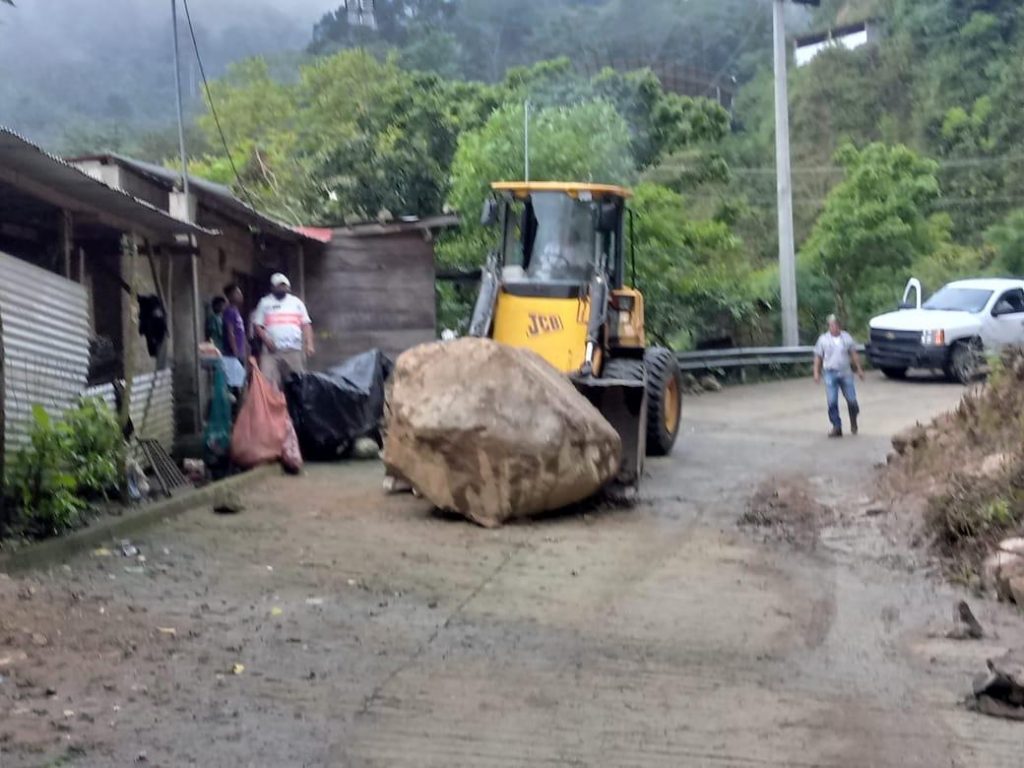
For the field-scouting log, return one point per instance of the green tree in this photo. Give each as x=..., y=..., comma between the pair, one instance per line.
x=660, y=122
x=354, y=137
x=377, y=137
x=873, y=225
x=587, y=142
x=1007, y=241
x=696, y=279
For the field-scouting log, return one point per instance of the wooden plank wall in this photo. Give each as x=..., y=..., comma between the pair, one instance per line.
x=371, y=291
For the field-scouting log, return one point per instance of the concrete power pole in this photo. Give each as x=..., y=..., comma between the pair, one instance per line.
x=787, y=255
x=177, y=95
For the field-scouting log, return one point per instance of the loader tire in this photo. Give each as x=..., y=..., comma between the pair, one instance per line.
x=664, y=400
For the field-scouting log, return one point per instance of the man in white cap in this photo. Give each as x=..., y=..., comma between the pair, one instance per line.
x=283, y=325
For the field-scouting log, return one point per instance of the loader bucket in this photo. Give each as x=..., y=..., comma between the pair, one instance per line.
x=623, y=403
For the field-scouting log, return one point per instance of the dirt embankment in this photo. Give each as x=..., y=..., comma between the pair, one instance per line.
x=961, y=477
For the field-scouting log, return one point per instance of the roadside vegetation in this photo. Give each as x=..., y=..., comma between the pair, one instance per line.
x=964, y=472
x=68, y=465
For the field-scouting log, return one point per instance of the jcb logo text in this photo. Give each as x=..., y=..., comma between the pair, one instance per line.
x=543, y=324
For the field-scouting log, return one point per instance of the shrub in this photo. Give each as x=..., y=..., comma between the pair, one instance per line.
x=64, y=463
x=95, y=444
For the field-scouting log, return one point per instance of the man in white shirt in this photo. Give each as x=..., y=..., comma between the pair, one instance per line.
x=283, y=325
x=836, y=356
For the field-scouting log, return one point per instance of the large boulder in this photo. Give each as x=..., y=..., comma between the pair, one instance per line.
x=494, y=432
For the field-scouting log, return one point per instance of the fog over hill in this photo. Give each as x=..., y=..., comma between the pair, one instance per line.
x=73, y=67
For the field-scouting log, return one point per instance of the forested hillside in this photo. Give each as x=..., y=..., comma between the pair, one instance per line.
x=907, y=158
x=906, y=154
x=947, y=82
x=76, y=73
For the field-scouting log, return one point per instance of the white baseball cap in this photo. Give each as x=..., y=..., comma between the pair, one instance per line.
x=279, y=279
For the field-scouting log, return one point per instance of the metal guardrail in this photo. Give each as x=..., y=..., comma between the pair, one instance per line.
x=745, y=357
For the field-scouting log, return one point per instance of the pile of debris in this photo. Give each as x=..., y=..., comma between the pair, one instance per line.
x=786, y=510
x=964, y=474
x=494, y=433
x=999, y=691
x=697, y=385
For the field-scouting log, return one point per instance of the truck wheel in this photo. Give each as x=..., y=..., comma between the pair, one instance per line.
x=894, y=373
x=664, y=400
x=964, y=362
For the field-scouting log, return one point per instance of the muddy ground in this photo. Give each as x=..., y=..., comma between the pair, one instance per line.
x=329, y=625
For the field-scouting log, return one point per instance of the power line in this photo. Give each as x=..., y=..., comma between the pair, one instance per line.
x=965, y=162
x=754, y=29
x=213, y=108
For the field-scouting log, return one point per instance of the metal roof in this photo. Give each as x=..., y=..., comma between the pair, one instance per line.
x=571, y=188
x=222, y=197
x=32, y=168
x=404, y=224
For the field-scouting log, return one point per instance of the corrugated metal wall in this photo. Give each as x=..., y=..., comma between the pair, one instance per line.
x=45, y=339
x=158, y=423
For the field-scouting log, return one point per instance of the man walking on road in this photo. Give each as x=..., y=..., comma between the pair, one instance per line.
x=283, y=325
x=836, y=355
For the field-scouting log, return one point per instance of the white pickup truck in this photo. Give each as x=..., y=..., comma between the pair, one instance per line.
x=951, y=330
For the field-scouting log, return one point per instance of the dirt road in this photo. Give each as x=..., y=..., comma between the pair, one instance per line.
x=375, y=633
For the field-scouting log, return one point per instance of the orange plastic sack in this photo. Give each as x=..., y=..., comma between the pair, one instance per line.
x=262, y=425
x=291, y=454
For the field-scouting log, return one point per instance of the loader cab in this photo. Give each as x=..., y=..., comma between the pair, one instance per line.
x=557, y=274
x=554, y=241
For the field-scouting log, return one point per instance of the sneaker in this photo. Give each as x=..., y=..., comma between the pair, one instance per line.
x=853, y=424
x=835, y=432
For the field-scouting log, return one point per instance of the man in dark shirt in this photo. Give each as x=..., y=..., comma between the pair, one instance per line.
x=234, y=325
x=234, y=337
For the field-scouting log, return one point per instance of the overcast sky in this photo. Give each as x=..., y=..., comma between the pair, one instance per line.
x=212, y=12
x=69, y=63
x=37, y=31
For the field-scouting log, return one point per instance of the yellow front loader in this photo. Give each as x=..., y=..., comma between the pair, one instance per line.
x=556, y=284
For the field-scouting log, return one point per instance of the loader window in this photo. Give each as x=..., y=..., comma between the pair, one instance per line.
x=559, y=239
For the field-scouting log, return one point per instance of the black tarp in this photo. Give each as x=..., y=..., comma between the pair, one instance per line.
x=331, y=410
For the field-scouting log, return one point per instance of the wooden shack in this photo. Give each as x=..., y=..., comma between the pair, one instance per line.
x=373, y=286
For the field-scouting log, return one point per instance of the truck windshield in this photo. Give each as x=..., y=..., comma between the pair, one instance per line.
x=959, y=299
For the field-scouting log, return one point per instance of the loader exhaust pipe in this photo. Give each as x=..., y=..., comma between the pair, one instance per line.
x=598, y=316
x=486, y=300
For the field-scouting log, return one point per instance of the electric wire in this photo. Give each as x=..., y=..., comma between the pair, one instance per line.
x=213, y=108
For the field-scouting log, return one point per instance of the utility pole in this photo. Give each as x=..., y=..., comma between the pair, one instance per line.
x=787, y=255
x=526, y=140
x=181, y=114
x=197, y=370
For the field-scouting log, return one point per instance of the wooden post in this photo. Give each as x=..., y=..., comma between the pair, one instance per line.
x=301, y=267
x=129, y=253
x=3, y=423
x=197, y=334
x=171, y=348
x=66, y=230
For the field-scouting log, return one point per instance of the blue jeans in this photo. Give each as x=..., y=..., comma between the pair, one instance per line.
x=835, y=381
